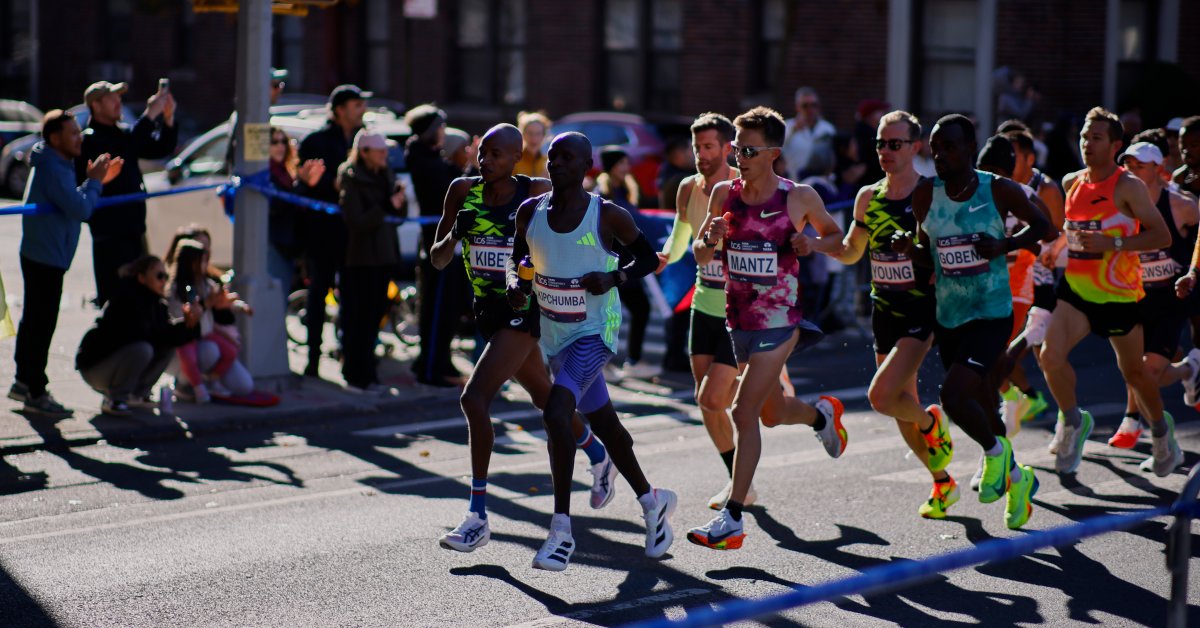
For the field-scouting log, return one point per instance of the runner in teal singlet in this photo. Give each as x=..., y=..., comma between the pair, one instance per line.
x=961, y=228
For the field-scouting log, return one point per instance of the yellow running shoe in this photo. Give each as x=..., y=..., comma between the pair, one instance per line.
x=1019, y=504
x=941, y=446
x=941, y=498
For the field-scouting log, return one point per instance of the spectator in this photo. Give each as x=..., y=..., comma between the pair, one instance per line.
x=849, y=171
x=866, y=125
x=678, y=165
x=616, y=183
x=209, y=363
x=48, y=242
x=534, y=127
x=456, y=150
x=1062, y=148
x=119, y=231
x=325, y=234
x=283, y=229
x=444, y=294
x=808, y=135
x=277, y=84
x=196, y=232
x=369, y=196
x=1017, y=99
x=134, y=338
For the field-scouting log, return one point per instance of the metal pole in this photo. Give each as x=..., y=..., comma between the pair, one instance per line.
x=264, y=345
x=1179, y=551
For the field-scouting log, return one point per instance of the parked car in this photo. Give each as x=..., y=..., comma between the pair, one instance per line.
x=640, y=138
x=202, y=162
x=14, y=158
x=18, y=119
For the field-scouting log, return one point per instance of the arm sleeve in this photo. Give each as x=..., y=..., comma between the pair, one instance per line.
x=644, y=260
x=677, y=243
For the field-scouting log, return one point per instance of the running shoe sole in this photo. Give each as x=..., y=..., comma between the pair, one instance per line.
x=1023, y=500
x=838, y=410
x=731, y=542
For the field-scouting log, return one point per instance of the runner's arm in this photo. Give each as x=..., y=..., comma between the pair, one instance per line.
x=1013, y=199
x=702, y=251
x=856, y=238
x=916, y=245
x=516, y=297
x=805, y=206
x=1184, y=209
x=442, y=251
x=681, y=231
x=1133, y=199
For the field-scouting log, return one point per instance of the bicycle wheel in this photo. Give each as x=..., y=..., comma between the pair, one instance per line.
x=403, y=317
x=296, y=317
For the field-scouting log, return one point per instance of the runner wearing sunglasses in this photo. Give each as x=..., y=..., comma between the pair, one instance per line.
x=757, y=220
x=902, y=316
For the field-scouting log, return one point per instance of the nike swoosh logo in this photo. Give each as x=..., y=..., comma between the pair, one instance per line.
x=976, y=208
x=972, y=362
x=914, y=330
x=768, y=215
x=720, y=537
x=766, y=345
x=512, y=216
x=908, y=210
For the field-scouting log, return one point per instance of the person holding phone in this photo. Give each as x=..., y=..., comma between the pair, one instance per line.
x=118, y=231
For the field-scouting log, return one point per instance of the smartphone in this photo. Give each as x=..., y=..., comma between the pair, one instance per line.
x=164, y=85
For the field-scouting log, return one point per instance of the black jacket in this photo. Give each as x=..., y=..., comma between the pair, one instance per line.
x=366, y=203
x=132, y=315
x=431, y=177
x=324, y=234
x=146, y=139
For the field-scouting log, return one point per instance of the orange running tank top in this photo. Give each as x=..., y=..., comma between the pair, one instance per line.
x=1111, y=276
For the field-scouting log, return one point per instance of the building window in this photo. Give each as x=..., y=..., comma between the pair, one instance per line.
x=770, y=27
x=642, y=44
x=946, y=73
x=490, y=44
x=378, y=37
x=116, y=31
x=184, y=41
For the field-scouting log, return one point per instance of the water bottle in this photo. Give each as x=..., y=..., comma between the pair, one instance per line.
x=525, y=275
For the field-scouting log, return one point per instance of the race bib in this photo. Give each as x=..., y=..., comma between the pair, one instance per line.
x=561, y=300
x=957, y=256
x=892, y=271
x=489, y=256
x=712, y=274
x=1158, y=269
x=1074, y=244
x=753, y=262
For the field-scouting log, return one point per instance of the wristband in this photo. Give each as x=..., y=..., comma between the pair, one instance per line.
x=861, y=224
x=619, y=278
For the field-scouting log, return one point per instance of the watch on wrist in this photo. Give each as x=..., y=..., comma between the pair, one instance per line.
x=1118, y=243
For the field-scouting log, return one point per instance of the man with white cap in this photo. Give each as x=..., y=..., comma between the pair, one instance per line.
x=1163, y=314
x=118, y=231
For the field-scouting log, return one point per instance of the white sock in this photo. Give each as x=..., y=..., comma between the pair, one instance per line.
x=560, y=522
x=648, y=501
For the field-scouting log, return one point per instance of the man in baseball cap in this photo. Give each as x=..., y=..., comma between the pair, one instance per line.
x=100, y=89
x=1144, y=152
x=343, y=94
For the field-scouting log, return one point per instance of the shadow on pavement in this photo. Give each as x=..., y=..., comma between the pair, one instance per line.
x=17, y=608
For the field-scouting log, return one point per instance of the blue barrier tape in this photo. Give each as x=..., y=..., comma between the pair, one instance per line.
x=908, y=572
x=105, y=201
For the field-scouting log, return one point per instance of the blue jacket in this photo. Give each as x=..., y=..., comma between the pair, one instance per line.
x=51, y=238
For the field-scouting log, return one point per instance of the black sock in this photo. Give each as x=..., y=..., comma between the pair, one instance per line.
x=727, y=458
x=1135, y=415
x=1029, y=392
x=943, y=480
x=1158, y=429
x=735, y=509
x=819, y=424
x=932, y=424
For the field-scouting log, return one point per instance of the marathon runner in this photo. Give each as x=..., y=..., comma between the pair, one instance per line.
x=481, y=212
x=1030, y=402
x=1110, y=218
x=713, y=365
x=960, y=217
x=902, y=318
x=757, y=220
x=568, y=237
x=1163, y=314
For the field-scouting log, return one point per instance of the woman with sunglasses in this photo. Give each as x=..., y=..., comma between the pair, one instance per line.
x=283, y=230
x=134, y=338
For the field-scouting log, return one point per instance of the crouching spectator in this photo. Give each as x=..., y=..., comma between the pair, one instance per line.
x=209, y=364
x=369, y=195
x=134, y=338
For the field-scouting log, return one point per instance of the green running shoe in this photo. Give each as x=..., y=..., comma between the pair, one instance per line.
x=1037, y=405
x=941, y=498
x=1019, y=504
x=995, y=473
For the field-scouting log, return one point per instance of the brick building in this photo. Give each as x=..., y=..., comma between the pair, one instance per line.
x=486, y=59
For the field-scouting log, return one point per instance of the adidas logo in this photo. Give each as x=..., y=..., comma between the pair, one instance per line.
x=587, y=240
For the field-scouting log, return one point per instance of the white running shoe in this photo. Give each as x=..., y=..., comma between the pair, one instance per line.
x=1058, y=437
x=1070, y=448
x=1165, y=452
x=1011, y=410
x=717, y=502
x=659, y=534
x=604, y=474
x=977, y=479
x=833, y=436
x=470, y=535
x=556, y=552
x=722, y=533
x=1191, y=383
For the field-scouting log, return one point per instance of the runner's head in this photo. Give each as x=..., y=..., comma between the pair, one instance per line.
x=1189, y=142
x=1022, y=141
x=569, y=159
x=952, y=143
x=758, y=141
x=1012, y=126
x=998, y=157
x=712, y=134
x=1100, y=138
x=499, y=152
x=1144, y=160
x=898, y=140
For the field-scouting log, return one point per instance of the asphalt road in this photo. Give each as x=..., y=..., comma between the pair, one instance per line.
x=334, y=524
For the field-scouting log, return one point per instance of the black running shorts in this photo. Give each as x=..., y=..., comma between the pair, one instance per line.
x=494, y=313
x=1163, y=318
x=710, y=337
x=1106, y=319
x=889, y=327
x=977, y=344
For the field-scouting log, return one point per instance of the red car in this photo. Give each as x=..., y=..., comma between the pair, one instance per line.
x=642, y=140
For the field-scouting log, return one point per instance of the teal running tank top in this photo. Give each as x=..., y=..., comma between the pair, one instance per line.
x=968, y=287
x=569, y=312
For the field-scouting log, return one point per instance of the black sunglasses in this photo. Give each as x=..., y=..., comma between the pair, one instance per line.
x=892, y=144
x=750, y=152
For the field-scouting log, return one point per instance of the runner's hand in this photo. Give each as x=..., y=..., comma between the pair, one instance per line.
x=598, y=283
x=662, y=263
x=517, y=298
x=991, y=248
x=902, y=242
x=801, y=244
x=464, y=221
x=1185, y=285
x=1094, y=242
x=717, y=229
